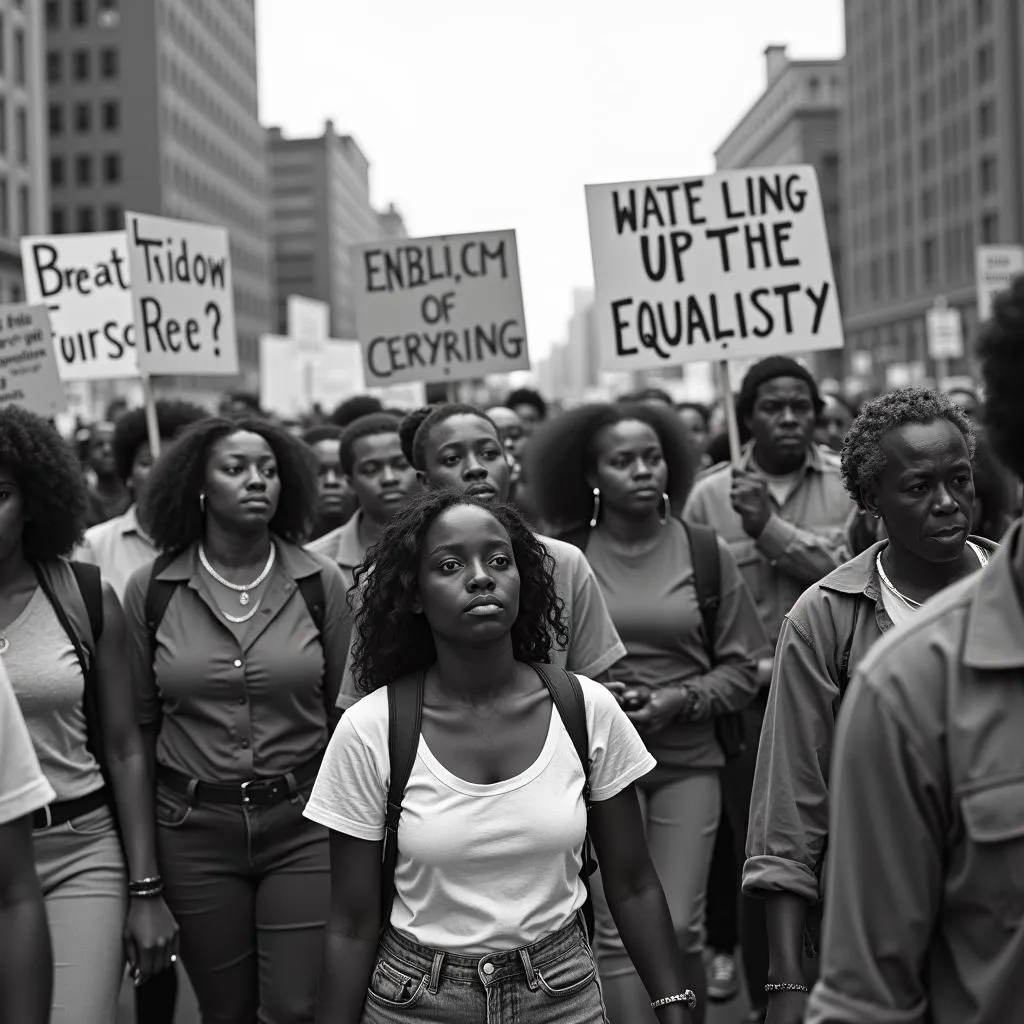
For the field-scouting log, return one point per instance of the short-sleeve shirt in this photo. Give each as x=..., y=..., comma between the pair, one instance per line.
x=118, y=547
x=481, y=868
x=23, y=787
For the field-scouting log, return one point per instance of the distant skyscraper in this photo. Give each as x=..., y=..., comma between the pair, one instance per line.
x=934, y=159
x=153, y=107
x=320, y=198
x=796, y=120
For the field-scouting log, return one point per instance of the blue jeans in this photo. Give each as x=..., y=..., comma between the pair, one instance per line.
x=552, y=980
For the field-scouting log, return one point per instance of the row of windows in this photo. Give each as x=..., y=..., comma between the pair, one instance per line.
x=218, y=199
x=79, y=13
x=209, y=147
x=86, y=218
x=81, y=65
x=226, y=44
x=109, y=117
x=109, y=164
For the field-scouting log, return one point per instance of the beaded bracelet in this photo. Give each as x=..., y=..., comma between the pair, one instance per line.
x=784, y=986
x=687, y=997
x=144, y=887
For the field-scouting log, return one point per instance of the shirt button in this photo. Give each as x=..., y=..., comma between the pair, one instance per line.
x=488, y=968
x=237, y=662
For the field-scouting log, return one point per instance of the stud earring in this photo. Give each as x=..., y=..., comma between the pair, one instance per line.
x=666, y=509
x=597, y=507
x=202, y=502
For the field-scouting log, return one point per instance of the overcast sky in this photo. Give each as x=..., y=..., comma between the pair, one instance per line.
x=477, y=115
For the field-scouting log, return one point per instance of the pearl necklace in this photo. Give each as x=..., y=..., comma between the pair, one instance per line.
x=242, y=589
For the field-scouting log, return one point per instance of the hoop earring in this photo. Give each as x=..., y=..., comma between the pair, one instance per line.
x=597, y=507
x=202, y=503
x=666, y=510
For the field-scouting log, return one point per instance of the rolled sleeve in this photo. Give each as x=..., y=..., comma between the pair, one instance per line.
x=804, y=554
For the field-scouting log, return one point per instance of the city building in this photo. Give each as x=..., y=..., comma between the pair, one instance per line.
x=320, y=203
x=23, y=188
x=933, y=153
x=153, y=108
x=796, y=120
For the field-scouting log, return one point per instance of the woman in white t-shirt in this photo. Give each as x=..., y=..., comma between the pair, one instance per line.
x=485, y=924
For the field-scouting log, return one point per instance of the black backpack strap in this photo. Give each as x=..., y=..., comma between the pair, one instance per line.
x=312, y=590
x=90, y=584
x=405, y=719
x=158, y=596
x=707, y=578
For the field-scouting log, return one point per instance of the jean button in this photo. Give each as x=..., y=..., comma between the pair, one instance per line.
x=488, y=969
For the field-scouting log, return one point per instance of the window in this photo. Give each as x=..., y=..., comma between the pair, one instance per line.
x=24, y=210
x=56, y=171
x=52, y=14
x=83, y=170
x=113, y=218
x=3, y=126
x=58, y=225
x=928, y=263
x=5, y=212
x=112, y=168
x=21, y=131
x=986, y=64
x=80, y=63
x=989, y=176
x=987, y=119
x=55, y=119
x=109, y=65
x=928, y=204
x=83, y=117
x=813, y=87
x=927, y=154
x=108, y=16
x=19, y=58
x=54, y=66
x=982, y=12
x=80, y=13
x=85, y=219
x=111, y=116
x=990, y=228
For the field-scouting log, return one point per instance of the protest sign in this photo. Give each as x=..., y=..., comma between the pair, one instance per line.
x=440, y=309
x=181, y=296
x=84, y=282
x=28, y=364
x=945, y=333
x=732, y=265
x=309, y=322
x=997, y=266
x=292, y=382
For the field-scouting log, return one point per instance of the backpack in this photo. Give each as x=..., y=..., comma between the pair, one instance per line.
x=707, y=581
x=405, y=719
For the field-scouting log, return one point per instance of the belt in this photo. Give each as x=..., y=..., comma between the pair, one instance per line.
x=254, y=793
x=64, y=810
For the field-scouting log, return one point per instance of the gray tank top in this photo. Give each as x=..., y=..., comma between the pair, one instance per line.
x=49, y=685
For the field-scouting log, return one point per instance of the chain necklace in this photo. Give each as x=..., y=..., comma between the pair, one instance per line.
x=242, y=618
x=242, y=589
x=891, y=587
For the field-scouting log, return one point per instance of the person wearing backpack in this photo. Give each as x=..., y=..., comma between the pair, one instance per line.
x=906, y=461
x=460, y=792
x=62, y=640
x=236, y=651
x=616, y=477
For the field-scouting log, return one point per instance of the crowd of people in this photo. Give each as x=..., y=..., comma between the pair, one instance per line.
x=511, y=714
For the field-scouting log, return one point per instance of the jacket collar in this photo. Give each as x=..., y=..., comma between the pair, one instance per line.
x=995, y=621
x=296, y=563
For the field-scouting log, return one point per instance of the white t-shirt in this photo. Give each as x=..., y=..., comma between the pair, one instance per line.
x=481, y=868
x=23, y=787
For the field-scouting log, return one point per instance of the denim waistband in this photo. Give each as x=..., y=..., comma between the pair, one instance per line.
x=488, y=969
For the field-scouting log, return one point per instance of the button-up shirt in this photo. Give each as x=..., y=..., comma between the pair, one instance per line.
x=118, y=547
x=804, y=540
x=227, y=709
x=925, y=892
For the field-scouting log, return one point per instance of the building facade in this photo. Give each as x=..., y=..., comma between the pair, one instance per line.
x=153, y=108
x=796, y=120
x=320, y=200
x=933, y=151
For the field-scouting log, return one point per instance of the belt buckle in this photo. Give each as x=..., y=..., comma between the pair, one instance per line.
x=253, y=788
x=48, y=819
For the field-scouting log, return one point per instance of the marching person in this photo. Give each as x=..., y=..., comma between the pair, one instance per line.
x=833, y=422
x=236, y=650
x=925, y=887
x=335, y=501
x=620, y=474
x=907, y=463
x=107, y=495
x=74, y=691
x=485, y=920
x=530, y=407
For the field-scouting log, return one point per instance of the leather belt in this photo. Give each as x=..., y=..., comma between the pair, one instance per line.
x=63, y=811
x=254, y=793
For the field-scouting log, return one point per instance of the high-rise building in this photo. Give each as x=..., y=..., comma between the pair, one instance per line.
x=934, y=157
x=23, y=187
x=796, y=120
x=320, y=201
x=153, y=108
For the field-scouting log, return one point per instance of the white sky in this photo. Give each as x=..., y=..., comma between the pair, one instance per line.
x=481, y=114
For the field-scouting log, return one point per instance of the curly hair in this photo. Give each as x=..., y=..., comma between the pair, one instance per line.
x=1001, y=351
x=527, y=396
x=347, y=412
x=411, y=422
x=438, y=415
x=863, y=457
x=322, y=432
x=170, y=506
x=391, y=640
x=131, y=433
x=52, y=485
x=366, y=426
x=565, y=451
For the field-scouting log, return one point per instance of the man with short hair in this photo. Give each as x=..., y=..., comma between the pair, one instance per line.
x=336, y=503
x=107, y=494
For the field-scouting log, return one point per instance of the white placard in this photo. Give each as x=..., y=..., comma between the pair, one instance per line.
x=728, y=266
x=440, y=309
x=84, y=282
x=309, y=321
x=182, y=295
x=291, y=381
x=408, y=396
x=997, y=266
x=945, y=333
x=28, y=364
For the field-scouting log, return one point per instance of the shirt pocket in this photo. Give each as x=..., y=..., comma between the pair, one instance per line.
x=754, y=570
x=994, y=823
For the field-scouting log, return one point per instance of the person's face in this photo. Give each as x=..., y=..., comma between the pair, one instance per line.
x=528, y=416
x=242, y=482
x=833, y=424
x=510, y=431
x=468, y=588
x=925, y=493
x=967, y=401
x=694, y=423
x=382, y=479
x=464, y=452
x=142, y=464
x=782, y=424
x=332, y=489
x=12, y=514
x=101, y=449
x=631, y=470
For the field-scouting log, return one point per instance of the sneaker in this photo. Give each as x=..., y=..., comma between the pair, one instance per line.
x=723, y=978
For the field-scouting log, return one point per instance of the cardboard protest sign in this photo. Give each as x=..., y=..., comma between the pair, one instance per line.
x=28, y=364
x=84, y=282
x=291, y=382
x=309, y=322
x=997, y=266
x=182, y=296
x=440, y=309
x=731, y=265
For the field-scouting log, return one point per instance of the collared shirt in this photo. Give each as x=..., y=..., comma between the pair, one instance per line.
x=227, y=710
x=805, y=538
x=118, y=547
x=23, y=787
x=925, y=891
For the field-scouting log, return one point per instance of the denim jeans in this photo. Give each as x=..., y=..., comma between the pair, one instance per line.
x=552, y=980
